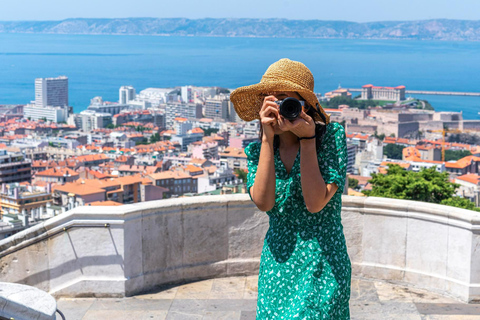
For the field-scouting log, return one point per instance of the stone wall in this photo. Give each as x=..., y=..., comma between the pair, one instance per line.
x=415, y=243
x=145, y=245
x=175, y=240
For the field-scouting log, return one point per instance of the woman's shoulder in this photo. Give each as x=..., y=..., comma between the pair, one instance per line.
x=253, y=149
x=334, y=128
x=333, y=132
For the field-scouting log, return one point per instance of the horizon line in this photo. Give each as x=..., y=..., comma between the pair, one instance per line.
x=227, y=18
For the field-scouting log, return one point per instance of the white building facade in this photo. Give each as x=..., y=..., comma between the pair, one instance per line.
x=51, y=92
x=55, y=114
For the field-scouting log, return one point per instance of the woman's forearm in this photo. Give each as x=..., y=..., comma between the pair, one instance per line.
x=314, y=189
x=263, y=189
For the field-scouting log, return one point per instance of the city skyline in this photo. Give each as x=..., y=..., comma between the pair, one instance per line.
x=302, y=10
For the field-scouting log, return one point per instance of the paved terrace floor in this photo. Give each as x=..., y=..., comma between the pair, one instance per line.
x=235, y=298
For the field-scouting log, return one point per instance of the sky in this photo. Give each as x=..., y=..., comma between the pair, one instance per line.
x=349, y=10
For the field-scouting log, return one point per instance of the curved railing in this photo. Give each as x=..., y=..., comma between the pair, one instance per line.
x=148, y=244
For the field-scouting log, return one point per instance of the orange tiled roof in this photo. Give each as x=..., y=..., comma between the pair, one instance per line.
x=177, y=174
x=121, y=158
x=411, y=154
x=233, y=152
x=104, y=203
x=136, y=168
x=180, y=119
x=401, y=164
x=93, y=186
x=471, y=178
x=57, y=172
x=461, y=163
x=192, y=168
x=197, y=130
x=91, y=157
x=80, y=187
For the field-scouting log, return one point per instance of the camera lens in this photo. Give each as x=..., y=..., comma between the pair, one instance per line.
x=290, y=108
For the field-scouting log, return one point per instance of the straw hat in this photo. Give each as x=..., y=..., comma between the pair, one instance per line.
x=283, y=75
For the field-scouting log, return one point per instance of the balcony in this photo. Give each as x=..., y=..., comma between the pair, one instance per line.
x=117, y=252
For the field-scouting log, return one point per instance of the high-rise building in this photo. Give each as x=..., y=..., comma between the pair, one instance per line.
x=51, y=92
x=187, y=94
x=126, y=94
x=183, y=110
x=217, y=108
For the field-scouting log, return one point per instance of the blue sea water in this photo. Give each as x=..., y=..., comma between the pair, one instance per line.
x=97, y=65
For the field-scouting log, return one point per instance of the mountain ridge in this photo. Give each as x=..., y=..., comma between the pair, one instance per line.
x=434, y=29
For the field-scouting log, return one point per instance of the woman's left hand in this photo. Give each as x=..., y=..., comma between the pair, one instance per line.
x=302, y=127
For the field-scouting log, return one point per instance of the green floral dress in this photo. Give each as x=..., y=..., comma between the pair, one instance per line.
x=305, y=269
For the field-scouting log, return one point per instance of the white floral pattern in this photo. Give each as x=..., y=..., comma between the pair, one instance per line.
x=305, y=270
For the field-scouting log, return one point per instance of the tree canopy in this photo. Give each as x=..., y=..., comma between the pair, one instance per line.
x=427, y=185
x=241, y=174
x=352, y=183
x=352, y=103
x=454, y=155
x=393, y=151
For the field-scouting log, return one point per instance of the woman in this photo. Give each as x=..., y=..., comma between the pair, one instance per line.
x=297, y=174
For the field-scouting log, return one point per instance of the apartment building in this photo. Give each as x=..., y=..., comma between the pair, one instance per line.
x=14, y=167
x=131, y=189
x=235, y=157
x=177, y=182
x=58, y=175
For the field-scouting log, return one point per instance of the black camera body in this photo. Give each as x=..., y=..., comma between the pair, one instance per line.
x=290, y=108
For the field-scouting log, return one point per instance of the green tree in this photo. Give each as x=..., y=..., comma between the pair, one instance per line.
x=241, y=174
x=110, y=126
x=209, y=131
x=380, y=137
x=393, y=151
x=460, y=202
x=352, y=103
x=143, y=141
x=154, y=137
x=428, y=185
x=352, y=183
x=454, y=155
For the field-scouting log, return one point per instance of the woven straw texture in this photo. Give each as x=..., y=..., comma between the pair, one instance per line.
x=283, y=75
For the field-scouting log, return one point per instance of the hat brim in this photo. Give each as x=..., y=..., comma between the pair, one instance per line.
x=248, y=100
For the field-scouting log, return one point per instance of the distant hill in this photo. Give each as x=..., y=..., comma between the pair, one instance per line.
x=440, y=29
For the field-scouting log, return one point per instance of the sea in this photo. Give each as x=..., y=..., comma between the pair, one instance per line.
x=97, y=65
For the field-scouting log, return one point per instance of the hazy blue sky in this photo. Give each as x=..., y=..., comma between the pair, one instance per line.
x=351, y=10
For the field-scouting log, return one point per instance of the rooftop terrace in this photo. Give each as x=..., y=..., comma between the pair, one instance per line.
x=235, y=298
x=411, y=259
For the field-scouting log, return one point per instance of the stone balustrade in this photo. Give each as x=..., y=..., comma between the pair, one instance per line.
x=21, y=302
x=169, y=241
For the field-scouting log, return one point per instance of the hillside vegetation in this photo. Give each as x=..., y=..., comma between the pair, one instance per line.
x=439, y=29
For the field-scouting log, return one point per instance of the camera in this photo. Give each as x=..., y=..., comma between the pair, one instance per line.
x=290, y=108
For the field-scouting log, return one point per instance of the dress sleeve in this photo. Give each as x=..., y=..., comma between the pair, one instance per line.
x=334, y=156
x=253, y=155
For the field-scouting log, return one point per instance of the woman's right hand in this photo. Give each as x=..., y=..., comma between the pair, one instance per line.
x=269, y=116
